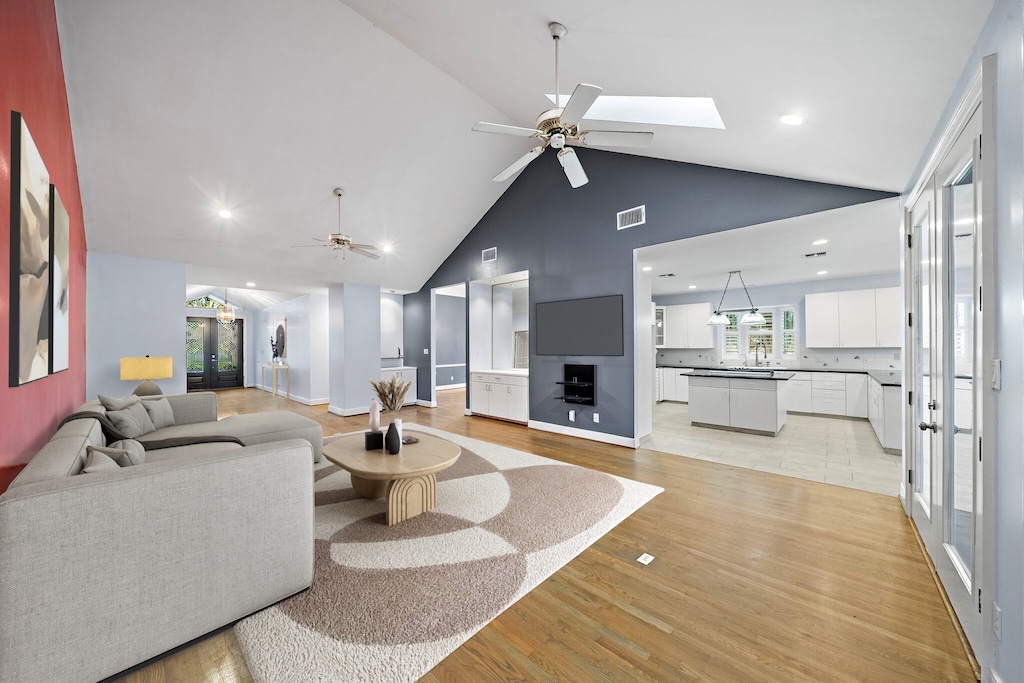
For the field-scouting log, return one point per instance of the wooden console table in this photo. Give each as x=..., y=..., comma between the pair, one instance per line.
x=274, y=368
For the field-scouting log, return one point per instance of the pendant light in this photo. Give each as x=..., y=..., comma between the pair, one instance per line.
x=751, y=317
x=225, y=313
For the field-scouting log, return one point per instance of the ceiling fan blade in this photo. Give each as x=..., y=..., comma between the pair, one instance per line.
x=518, y=164
x=615, y=138
x=303, y=246
x=370, y=247
x=363, y=252
x=583, y=97
x=484, y=127
x=572, y=167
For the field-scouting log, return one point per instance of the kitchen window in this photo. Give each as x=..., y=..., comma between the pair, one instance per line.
x=778, y=335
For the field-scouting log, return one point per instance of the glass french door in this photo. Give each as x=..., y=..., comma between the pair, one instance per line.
x=942, y=458
x=213, y=354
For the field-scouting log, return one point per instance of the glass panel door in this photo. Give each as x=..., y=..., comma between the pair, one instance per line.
x=213, y=354
x=923, y=260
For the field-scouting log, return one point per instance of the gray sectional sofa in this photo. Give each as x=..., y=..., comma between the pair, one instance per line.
x=103, y=570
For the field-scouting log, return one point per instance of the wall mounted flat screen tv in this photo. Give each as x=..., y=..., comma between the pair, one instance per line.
x=580, y=327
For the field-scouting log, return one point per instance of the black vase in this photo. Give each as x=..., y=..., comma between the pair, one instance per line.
x=392, y=441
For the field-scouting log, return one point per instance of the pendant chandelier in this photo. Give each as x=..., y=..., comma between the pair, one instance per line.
x=225, y=313
x=750, y=317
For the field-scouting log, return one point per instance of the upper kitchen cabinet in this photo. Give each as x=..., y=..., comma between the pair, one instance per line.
x=686, y=326
x=853, y=319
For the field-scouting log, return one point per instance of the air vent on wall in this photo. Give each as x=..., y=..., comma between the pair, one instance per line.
x=817, y=254
x=631, y=217
x=488, y=255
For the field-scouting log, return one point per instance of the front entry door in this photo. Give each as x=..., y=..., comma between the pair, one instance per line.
x=944, y=264
x=213, y=354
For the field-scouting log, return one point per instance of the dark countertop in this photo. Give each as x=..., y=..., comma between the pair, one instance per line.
x=887, y=378
x=778, y=375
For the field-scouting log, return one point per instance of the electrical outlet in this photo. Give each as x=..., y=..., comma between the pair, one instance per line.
x=572, y=416
x=426, y=352
x=645, y=559
x=997, y=621
x=597, y=418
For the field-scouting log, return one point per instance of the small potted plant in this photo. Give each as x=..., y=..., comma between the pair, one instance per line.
x=391, y=393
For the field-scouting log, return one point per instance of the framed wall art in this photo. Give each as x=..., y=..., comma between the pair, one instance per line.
x=60, y=265
x=30, y=297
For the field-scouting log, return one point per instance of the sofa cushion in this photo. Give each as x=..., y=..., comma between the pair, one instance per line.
x=97, y=461
x=126, y=452
x=159, y=410
x=132, y=421
x=196, y=449
x=111, y=403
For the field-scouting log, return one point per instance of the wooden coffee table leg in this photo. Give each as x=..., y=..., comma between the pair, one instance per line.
x=410, y=497
x=370, y=488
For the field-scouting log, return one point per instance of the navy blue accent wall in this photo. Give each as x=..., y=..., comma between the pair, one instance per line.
x=567, y=239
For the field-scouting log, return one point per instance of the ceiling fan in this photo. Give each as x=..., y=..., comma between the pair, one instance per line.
x=338, y=241
x=561, y=125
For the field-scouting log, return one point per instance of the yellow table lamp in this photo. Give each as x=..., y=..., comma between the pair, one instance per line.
x=147, y=369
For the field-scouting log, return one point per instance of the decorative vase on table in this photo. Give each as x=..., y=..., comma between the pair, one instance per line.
x=393, y=440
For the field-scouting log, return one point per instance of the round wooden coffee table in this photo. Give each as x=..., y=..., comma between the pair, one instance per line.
x=407, y=479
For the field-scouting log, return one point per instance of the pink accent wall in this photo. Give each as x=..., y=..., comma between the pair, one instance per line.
x=32, y=82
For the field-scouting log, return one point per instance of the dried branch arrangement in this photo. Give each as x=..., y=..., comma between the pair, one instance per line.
x=391, y=393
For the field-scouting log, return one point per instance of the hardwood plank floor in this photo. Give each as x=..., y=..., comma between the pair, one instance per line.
x=756, y=577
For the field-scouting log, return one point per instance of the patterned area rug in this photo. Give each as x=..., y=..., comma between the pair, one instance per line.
x=389, y=603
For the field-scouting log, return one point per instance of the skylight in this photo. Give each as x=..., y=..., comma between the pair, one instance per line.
x=696, y=112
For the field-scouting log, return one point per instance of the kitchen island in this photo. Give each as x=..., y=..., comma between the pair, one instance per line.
x=752, y=400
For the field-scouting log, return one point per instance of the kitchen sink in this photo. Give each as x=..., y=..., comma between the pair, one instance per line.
x=747, y=373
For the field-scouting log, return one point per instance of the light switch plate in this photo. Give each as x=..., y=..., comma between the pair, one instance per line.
x=645, y=559
x=426, y=352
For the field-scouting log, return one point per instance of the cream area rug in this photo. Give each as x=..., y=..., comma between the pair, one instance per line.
x=389, y=603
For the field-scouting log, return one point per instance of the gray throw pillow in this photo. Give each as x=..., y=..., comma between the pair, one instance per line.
x=126, y=452
x=97, y=461
x=159, y=409
x=117, y=403
x=132, y=422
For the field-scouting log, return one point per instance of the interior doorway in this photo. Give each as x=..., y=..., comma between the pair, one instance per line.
x=213, y=354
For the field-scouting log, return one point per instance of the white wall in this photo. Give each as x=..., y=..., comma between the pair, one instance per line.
x=502, y=339
x=305, y=347
x=479, y=301
x=354, y=312
x=319, y=348
x=134, y=307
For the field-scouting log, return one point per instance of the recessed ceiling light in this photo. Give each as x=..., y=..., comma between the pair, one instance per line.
x=792, y=119
x=386, y=248
x=250, y=284
x=818, y=243
x=694, y=112
x=693, y=286
x=822, y=272
x=224, y=213
x=647, y=269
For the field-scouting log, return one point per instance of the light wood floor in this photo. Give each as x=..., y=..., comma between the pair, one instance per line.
x=756, y=577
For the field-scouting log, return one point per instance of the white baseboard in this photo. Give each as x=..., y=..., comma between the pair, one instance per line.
x=347, y=412
x=298, y=399
x=627, y=441
x=468, y=411
x=426, y=404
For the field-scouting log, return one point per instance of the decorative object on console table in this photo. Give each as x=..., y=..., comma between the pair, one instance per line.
x=147, y=369
x=30, y=253
x=278, y=342
x=391, y=393
x=578, y=383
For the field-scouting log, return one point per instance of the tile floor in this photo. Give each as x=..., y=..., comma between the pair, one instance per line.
x=830, y=450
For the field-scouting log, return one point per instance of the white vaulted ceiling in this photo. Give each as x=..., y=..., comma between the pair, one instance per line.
x=181, y=109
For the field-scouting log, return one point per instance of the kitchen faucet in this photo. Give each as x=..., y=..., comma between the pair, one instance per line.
x=758, y=347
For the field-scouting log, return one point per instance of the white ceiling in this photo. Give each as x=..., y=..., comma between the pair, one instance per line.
x=862, y=240
x=263, y=107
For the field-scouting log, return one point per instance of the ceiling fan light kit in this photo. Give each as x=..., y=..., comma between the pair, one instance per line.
x=560, y=126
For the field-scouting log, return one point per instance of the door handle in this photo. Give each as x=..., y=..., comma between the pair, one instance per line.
x=924, y=426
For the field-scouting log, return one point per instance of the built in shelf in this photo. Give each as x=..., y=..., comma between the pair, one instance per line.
x=581, y=379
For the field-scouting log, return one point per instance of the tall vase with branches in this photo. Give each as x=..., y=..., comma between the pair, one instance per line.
x=391, y=394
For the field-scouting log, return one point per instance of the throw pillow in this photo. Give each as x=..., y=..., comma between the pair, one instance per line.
x=159, y=409
x=117, y=403
x=133, y=421
x=126, y=452
x=96, y=461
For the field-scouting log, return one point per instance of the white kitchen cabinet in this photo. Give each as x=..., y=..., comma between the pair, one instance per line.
x=682, y=383
x=659, y=384
x=709, y=400
x=857, y=319
x=885, y=413
x=659, y=326
x=799, y=390
x=686, y=326
x=889, y=317
x=668, y=381
x=405, y=374
x=821, y=319
x=753, y=408
x=856, y=395
x=496, y=394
